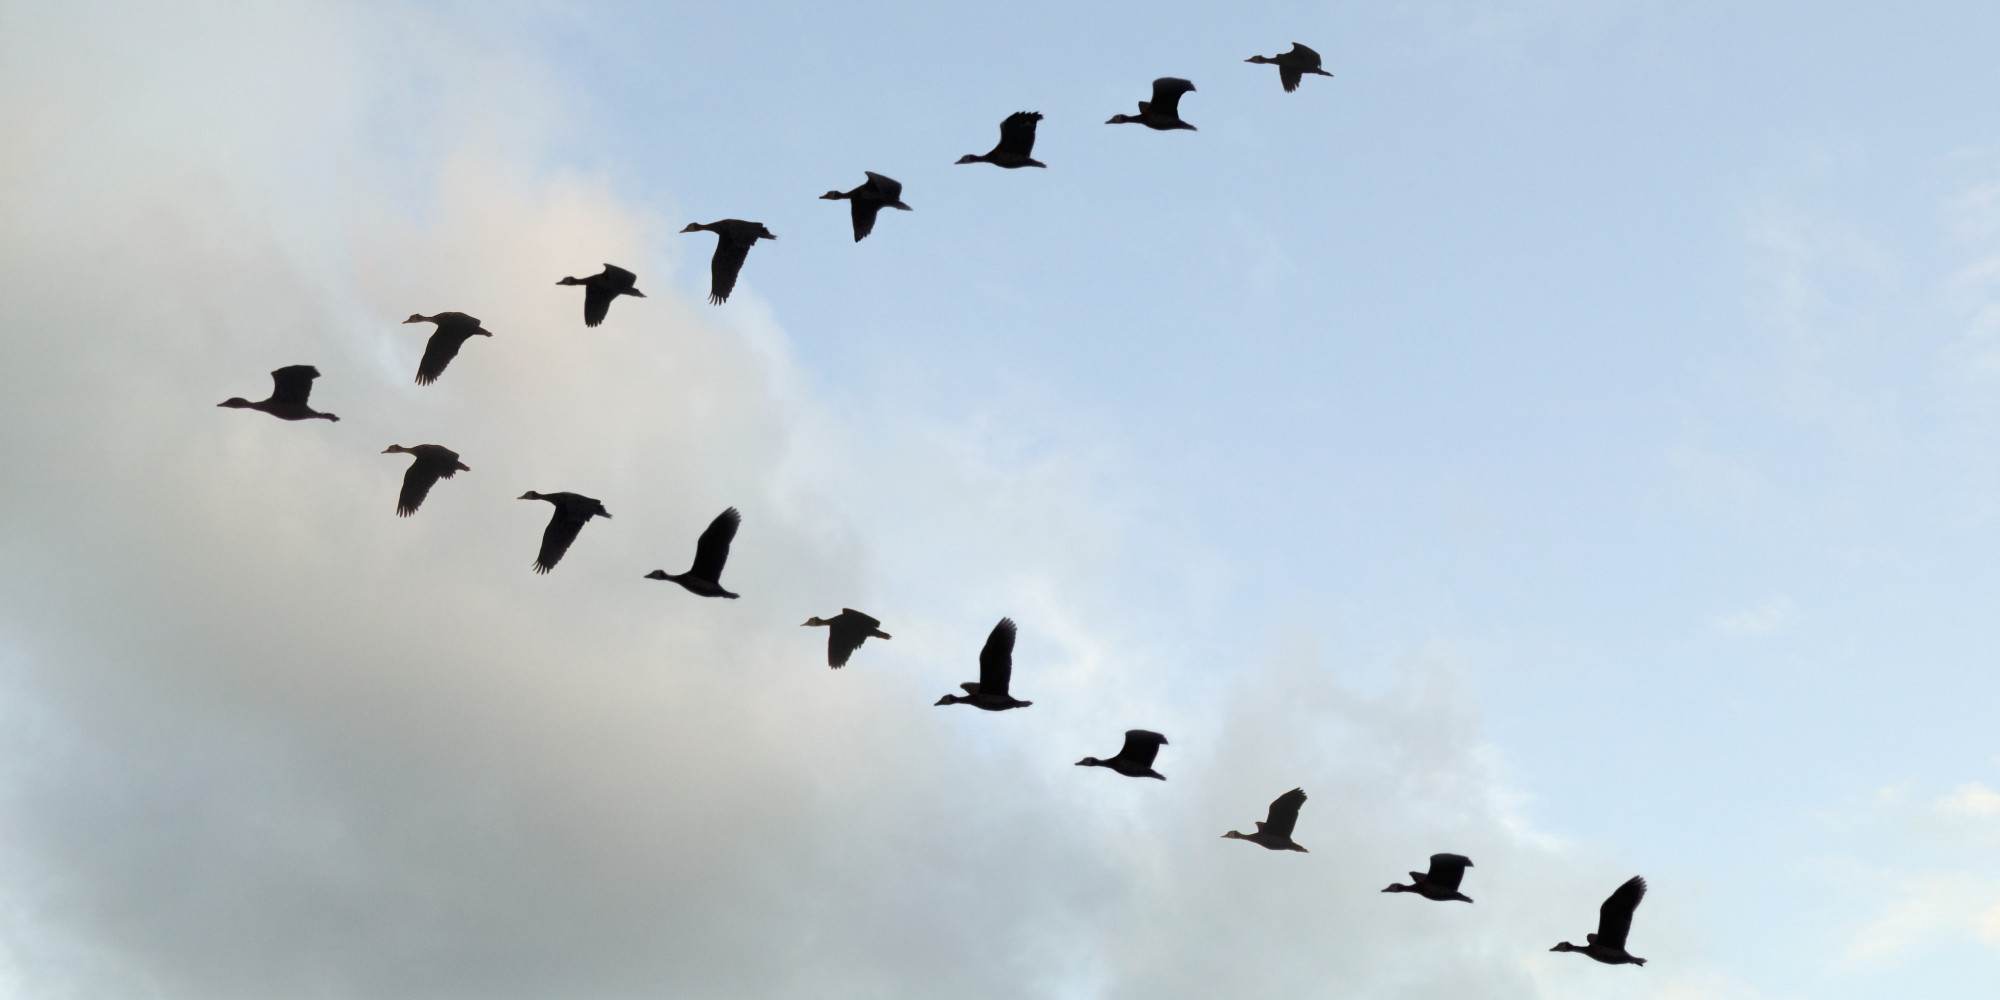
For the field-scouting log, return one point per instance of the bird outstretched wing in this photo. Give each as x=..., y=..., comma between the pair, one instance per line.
x=443, y=347
x=711, y=551
x=730, y=253
x=417, y=483
x=1284, y=814
x=556, y=539
x=1017, y=133
x=1448, y=870
x=291, y=384
x=864, y=217
x=996, y=660
x=1141, y=746
x=596, y=303
x=1614, y=918
x=1167, y=91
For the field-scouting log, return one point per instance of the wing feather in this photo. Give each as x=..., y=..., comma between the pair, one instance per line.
x=711, y=551
x=1167, y=91
x=996, y=660
x=1141, y=746
x=291, y=384
x=1284, y=814
x=1017, y=133
x=556, y=539
x=1448, y=870
x=1614, y=918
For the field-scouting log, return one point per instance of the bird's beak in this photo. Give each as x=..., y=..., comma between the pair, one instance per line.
x=636, y=292
x=389, y=449
x=946, y=700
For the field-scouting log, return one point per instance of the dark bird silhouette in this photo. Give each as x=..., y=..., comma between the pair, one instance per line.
x=433, y=462
x=1017, y=140
x=600, y=288
x=734, y=237
x=1163, y=112
x=1292, y=65
x=1441, y=882
x=572, y=510
x=453, y=330
x=1275, y=832
x=845, y=632
x=879, y=193
x=996, y=669
x=1614, y=921
x=290, y=386
x=711, y=550
x=1135, y=759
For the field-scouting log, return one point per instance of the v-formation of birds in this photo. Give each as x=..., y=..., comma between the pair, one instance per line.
x=847, y=631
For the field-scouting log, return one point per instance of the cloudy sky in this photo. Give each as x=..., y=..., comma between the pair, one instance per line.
x=1569, y=437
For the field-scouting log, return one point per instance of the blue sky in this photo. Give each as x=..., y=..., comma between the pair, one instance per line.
x=1564, y=434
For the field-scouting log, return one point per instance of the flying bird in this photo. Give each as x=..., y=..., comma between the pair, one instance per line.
x=1163, y=112
x=845, y=632
x=1292, y=65
x=1017, y=140
x=996, y=668
x=600, y=288
x=711, y=550
x=290, y=386
x=1275, y=832
x=453, y=330
x=1614, y=921
x=734, y=237
x=1135, y=759
x=1441, y=882
x=572, y=511
x=433, y=462
x=879, y=193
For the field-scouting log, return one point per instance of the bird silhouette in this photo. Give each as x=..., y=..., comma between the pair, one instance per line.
x=879, y=193
x=1135, y=759
x=711, y=550
x=1292, y=65
x=453, y=330
x=845, y=632
x=600, y=288
x=1163, y=112
x=1614, y=922
x=1441, y=882
x=734, y=238
x=1017, y=140
x=1275, y=831
x=290, y=386
x=433, y=462
x=572, y=511
x=996, y=670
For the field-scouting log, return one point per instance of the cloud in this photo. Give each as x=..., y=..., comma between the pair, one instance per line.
x=263, y=738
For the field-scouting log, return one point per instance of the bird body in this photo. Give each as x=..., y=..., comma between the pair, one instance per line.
x=1135, y=759
x=433, y=462
x=453, y=330
x=1441, y=882
x=1275, y=832
x=600, y=288
x=290, y=386
x=1163, y=112
x=734, y=238
x=865, y=201
x=1614, y=923
x=845, y=632
x=1017, y=141
x=996, y=672
x=1293, y=65
x=573, y=510
x=711, y=551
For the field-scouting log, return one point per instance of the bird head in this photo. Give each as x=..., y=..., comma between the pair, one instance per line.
x=658, y=574
x=1120, y=120
x=235, y=403
x=694, y=227
x=399, y=449
x=832, y=196
x=1397, y=887
x=570, y=281
x=1565, y=946
x=418, y=318
x=814, y=620
x=1090, y=762
x=530, y=495
x=1260, y=60
x=1233, y=835
x=950, y=699
x=968, y=158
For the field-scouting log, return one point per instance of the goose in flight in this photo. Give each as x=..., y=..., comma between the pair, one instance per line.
x=290, y=386
x=572, y=510
x=734, y=237
x=1275, y=831
x=996, y=669
x=433, y=462
x=453, y=330
x=1135, y=759
x=1614, y=921
x=845, y=632
x=711, y=550
x=600, y=288
x=1163, y=112
x=1292, y=65
x=1017, y=140
x=879, y=193
x=1441, y=882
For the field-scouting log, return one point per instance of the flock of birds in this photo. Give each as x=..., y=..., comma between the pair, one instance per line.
x=292, y=385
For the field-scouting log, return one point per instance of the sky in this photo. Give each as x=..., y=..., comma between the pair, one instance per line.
x=1568, y=437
